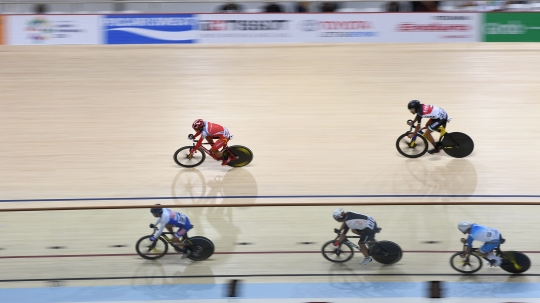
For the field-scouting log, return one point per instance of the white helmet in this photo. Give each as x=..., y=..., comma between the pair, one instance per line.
x=463, y=226
x=339, y=214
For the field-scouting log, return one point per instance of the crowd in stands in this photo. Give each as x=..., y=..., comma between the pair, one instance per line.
x=389, y=6
x=393, y=6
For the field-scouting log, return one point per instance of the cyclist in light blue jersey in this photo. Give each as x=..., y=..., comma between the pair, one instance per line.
x=168, y=218
x=490, y=236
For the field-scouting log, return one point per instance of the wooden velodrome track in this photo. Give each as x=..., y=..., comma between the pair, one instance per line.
x=97, y=126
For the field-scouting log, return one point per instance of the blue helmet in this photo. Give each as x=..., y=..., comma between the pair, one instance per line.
x=156, y=211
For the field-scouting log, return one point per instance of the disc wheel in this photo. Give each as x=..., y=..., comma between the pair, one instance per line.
x=409, y=148
x=202, y=248
x=469, y=265
x=340, y=254
x=515, y=262
x=385, y=252
x=244, y=155
x=151, y=250
x=182, y=158
x=457, y=145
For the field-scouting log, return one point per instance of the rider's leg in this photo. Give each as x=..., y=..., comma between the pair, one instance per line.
x=431, y=128
x=363, y=247
x=217, y=146
x=486, y=251
x=180, y=236
x=365, y=237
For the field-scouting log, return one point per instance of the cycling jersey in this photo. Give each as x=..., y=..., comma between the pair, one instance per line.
x=173, y=218
x=358, y=221
x=431, y=112
x=212, y=130
x=483, y=234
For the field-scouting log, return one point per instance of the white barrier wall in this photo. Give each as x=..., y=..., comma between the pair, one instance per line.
x=242, y=28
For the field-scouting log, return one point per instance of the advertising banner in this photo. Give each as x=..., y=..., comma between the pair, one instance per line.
x=339, y=27
x=246, y=28
x=149, y=29
x=52, y=29
x=431, y=27
x=1, y=30
x=511, y=27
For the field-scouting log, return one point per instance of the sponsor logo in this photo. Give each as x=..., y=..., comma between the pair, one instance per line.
x=1, y=30
x=433, y=27
x=510, y=28
x=150, y=29
x=41, y=29
x=308, y=25
x=314, y=25
x=451, y=17
x=339, y=28
x=244, y=25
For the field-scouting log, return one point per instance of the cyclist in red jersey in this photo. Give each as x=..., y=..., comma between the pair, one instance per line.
x=437, y=117
x=209, y=131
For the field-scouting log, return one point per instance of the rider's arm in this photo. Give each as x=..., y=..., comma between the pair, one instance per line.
x=419, y=119
x=470, y=240
x=199, y=143
x=162, y=221
x=343, y=231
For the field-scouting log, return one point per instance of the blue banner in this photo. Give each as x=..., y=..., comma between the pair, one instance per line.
x=149, y=29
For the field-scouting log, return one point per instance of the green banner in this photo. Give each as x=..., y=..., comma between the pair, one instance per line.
x=511, y=27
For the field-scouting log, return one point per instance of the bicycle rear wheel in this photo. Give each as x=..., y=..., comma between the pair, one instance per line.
x=410, y=149
x=471, y=264
x=515, y=262
x=202, y=248
x=457, y=145
x=181, y=157
x=150, y=250
x=385, y=252
x=340, y=254
x=244, y=155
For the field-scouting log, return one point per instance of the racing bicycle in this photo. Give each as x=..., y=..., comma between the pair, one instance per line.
x=238, y=155
x=512, y=261
x=385, y=252
x=456, y=144
x=200, y=248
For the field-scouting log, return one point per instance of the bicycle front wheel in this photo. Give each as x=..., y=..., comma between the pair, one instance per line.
x=471, y=263
x=409, y=148
x=515, y=262
x=340, y=254
x=386, y=252
x=457, y=145
x=244, y=155
x=150, y=250
x=182, y=158
x=201, y=249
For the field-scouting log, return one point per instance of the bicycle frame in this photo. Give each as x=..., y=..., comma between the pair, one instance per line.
x=441, y=130
x=207, y=151
x=498, y=252
x=171, y=242
x=347, y=241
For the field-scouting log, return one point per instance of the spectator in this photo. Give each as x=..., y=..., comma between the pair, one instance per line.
x=230, y=8
x=302, y=7
x=329, y=7
x=425, y=6
x=273, y=8
x=484, y=6
x=392, y=7
x=41, y=9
